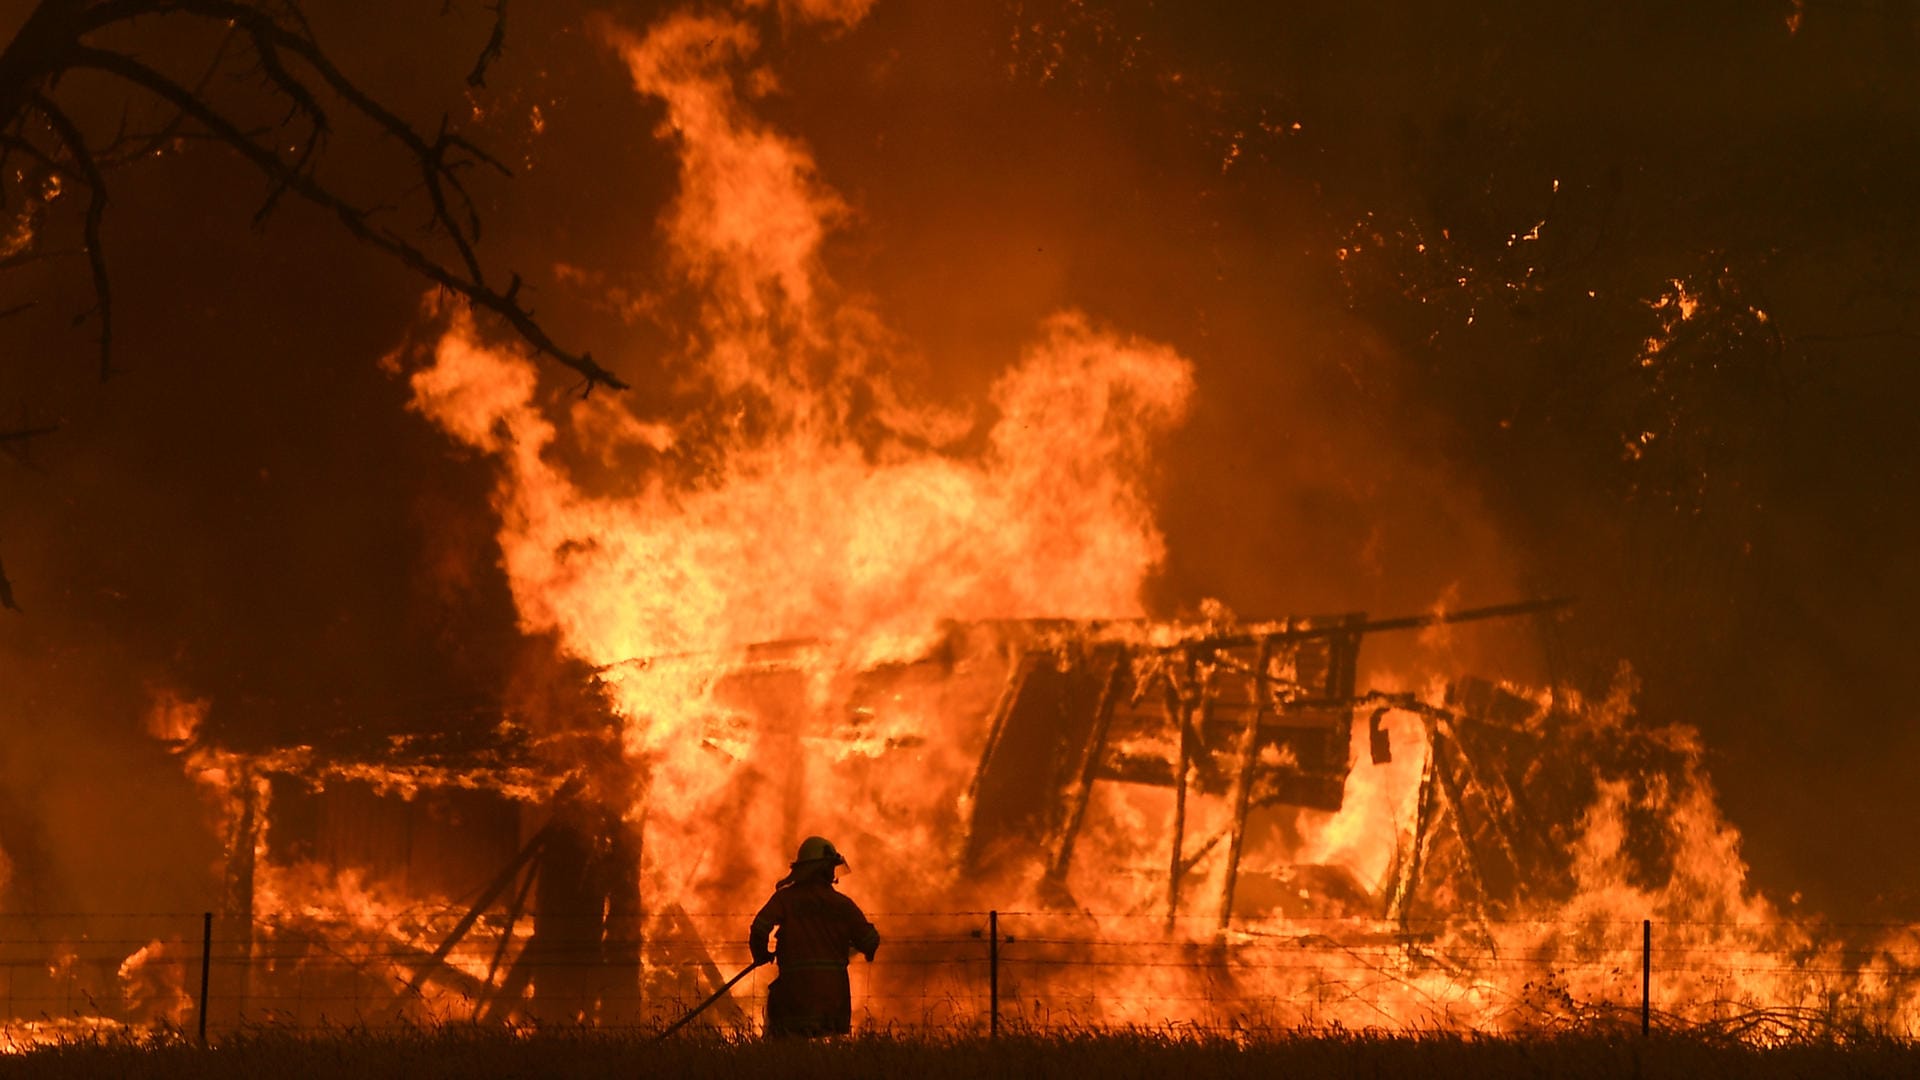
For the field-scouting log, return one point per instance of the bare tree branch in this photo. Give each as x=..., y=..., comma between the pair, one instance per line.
x=6, y=592
x=112, y=154
x=275, y=37
x=436, y=170
x=294, y=66
x=18, y=442
x=11, y=143
x=76, y=145
x=354, y=219
x=496, y=44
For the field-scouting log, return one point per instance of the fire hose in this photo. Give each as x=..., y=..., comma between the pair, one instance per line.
x=715, y=996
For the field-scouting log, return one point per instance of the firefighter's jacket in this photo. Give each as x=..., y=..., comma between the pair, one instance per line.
x=819, y=927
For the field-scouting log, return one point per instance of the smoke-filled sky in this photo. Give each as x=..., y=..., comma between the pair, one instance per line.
x=1600, y=300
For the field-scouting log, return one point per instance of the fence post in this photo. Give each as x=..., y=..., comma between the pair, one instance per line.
x=206, y=966
x=1646, y=977
x=993, y=974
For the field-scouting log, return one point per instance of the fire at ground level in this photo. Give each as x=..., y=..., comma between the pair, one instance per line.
x=468, y=1052
x=1088, y=825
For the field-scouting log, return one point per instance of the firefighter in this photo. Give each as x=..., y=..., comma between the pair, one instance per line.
x=820, y=930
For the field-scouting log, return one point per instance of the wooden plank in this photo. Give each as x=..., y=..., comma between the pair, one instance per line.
x=1450, y=804
x=1016, y=678
x=499, y=885
x=1089, y=771
x=1406, y=879
x=1493, y=813
x=1243, y=784
x=1178, y=708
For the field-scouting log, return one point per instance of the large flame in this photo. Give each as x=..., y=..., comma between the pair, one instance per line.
x=757, y=572
x=805, y=496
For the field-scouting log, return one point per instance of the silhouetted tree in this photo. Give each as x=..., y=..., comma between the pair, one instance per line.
x=47, y=148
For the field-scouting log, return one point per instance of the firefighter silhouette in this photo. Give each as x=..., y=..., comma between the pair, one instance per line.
x=819, y=931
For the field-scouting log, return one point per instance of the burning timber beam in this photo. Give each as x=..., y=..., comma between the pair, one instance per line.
x=1485, y=804
x=1260, y=716
x=1090, y=762
x=581, y=869
x=578, y=874
x=248, y=793
x=1180, y=704
x=494, y=889
x=1261, y=692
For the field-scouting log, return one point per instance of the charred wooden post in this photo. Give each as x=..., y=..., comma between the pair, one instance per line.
x=243, y=842
x=436, y=960
x=1089, y=771
x=1018, y=669
x=1248, y=753
x=1450, y=804
x=1379, y=744
x=505, y=1002
x=1344, y=673
x=620, y=998
x=206, y=974
x=567, y=920
x=1646, y=977
x=1023, y=788
x=1470, y=792
x=515, y=909
x=1179, y=710
x=583, y=959
x=1494, y=805
x=1410, y=855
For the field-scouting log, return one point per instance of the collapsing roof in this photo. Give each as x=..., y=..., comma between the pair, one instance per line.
x=1254, y=716
x=1261, y=716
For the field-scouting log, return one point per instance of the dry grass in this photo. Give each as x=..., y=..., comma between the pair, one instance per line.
x=452, y=1052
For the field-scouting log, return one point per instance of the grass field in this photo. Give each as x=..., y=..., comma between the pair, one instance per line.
x=592, y=1054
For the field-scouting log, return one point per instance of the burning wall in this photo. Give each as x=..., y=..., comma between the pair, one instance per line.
x=1482, y=858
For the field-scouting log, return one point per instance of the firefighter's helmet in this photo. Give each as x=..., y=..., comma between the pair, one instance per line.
x=815, y=850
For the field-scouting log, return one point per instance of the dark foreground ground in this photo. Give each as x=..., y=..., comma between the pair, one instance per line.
x=428, y=1056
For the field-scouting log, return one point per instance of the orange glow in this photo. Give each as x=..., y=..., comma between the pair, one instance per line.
x=864, y=531
x=816, y=594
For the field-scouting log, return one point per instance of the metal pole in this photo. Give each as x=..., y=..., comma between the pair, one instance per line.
x=993, y=974
x=1646, y=977
x=206, y=968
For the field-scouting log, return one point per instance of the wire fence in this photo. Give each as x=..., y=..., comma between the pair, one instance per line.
x=976, y=972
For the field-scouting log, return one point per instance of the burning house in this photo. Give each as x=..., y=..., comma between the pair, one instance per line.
x=957, y=679
x=823, y=571
x=1189, y=772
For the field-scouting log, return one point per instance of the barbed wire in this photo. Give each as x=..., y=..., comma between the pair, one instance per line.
x=1209, y=920
x=945, y=971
